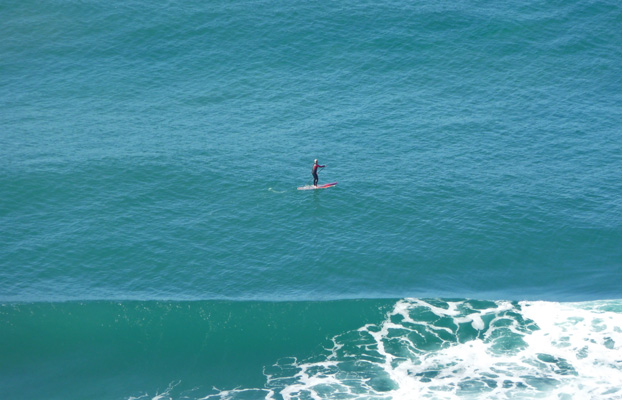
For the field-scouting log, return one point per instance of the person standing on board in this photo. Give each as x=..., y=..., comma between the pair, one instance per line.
x=314, y=171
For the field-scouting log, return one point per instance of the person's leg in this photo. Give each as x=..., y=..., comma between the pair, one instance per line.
x=315, y=179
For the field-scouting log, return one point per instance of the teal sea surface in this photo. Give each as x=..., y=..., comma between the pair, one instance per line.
x=154, y=245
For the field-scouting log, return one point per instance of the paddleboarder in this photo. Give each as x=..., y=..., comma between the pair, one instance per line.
x=314, y=171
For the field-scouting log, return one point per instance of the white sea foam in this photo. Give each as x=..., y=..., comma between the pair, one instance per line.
x=463, y=350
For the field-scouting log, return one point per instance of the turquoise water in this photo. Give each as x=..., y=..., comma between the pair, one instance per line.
x=153, y=243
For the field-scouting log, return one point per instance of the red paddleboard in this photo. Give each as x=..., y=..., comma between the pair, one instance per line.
x=311, y=187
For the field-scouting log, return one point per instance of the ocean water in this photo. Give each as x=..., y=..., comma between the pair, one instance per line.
x=154, y=245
